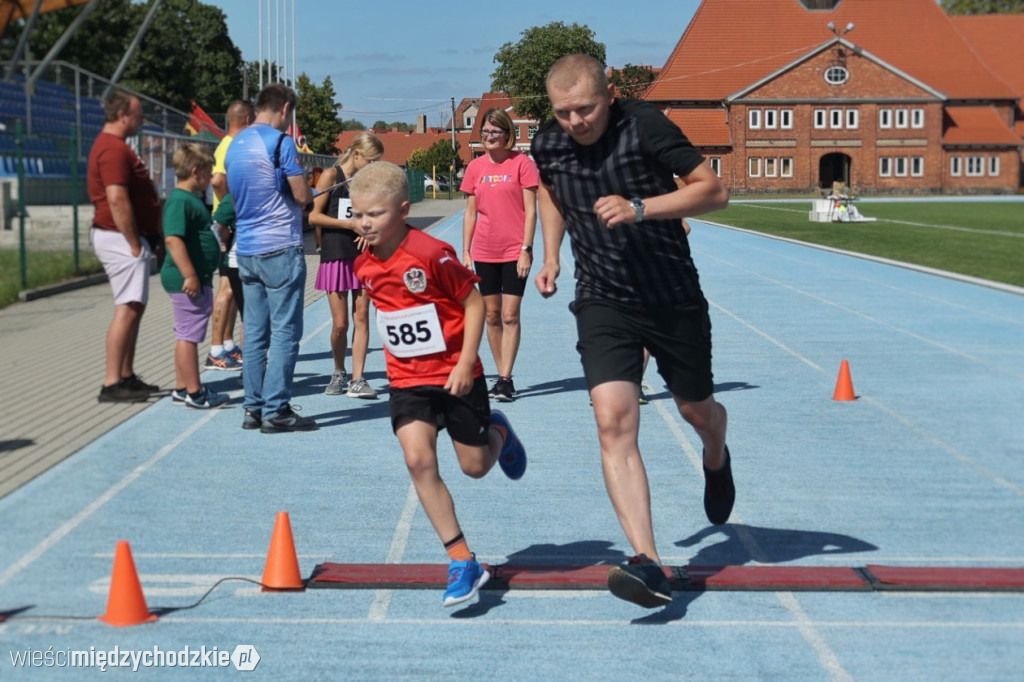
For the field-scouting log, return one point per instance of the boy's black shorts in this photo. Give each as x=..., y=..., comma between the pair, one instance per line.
x=612, y=338
x=499, y=278
x=467, y=418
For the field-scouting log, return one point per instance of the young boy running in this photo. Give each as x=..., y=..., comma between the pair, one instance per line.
x=187, y=275
x=430, y=316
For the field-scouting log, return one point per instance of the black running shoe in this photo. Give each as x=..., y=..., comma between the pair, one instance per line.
x=121, y=393
x=286, y=420
x=641, y=581
x=504, y=390
x=719, y=492
x=251, y=420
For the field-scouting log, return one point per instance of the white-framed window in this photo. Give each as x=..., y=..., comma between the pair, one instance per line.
x=885, y=118
x=820, y=118
x=852, y=118
x=786, y=166
x=885, y=166
x=917, y=118
x=975, y=165
x=902, y=118
x=771, y=118
x=836, y=75
x=519, y=131
x=771, y=167
x=754, y=166
x=901, y=166
x=754, y=118
x=469, y=121
x=716, y=165
x=955, y=166
x=993, y=165
x=786, y=118
x=917, y=166
x=835, y=118
x=531, y=131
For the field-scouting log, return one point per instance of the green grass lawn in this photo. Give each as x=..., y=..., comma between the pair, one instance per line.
x=44, y=267
x=981, y=239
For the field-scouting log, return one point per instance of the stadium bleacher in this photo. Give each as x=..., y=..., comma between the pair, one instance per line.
x=47, y=150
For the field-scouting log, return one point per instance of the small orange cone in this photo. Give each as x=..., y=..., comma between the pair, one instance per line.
x=126, y=605
x=282, y=569
x=844, y=384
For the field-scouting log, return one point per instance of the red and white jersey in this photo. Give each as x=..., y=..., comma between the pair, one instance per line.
x=418, y=293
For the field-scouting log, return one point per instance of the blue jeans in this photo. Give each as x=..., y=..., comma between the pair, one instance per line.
x=274, y=285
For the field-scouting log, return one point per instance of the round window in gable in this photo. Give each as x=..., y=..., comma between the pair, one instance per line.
x=837, y=75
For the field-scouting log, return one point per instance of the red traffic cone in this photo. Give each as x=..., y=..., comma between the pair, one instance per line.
x=126, y=605
x=844, y=384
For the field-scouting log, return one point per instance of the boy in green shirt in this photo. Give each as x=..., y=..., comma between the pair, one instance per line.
x=187, y=275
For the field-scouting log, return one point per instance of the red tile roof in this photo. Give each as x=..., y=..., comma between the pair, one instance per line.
x=980, y=125
x=996, y=38
x=731, y=44
x=706, y=127
x=398, y=147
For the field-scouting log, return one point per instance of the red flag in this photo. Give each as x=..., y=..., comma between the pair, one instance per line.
x=200, y=121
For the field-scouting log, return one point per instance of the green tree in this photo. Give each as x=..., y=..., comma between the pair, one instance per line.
x=351, y=124
x=317, y=113
x=523, y=65
x=439, y=155
x=632, y=81
x=983, y=6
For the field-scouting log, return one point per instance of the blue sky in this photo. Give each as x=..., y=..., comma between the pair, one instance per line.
x=390, y=62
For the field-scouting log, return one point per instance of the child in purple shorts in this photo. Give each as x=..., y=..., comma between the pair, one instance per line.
x=187, y=274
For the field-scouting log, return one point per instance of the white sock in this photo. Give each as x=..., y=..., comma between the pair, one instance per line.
x=229, y=345
x=216, y=350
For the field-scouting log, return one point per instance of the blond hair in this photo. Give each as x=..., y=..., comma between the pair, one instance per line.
x=366, y=143
x=380, y=179
x=190, y=156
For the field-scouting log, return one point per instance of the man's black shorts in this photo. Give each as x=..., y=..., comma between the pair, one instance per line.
x=500, y=278
x=467, y=418
x=612, y=338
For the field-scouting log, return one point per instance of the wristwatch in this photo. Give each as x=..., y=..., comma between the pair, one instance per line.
x=638, y=208
x=527, y=248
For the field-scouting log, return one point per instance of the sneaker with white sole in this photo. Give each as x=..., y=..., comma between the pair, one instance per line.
x=337, y=384
x=465, y=578
x=512, y=458
x=223, y=362
x=207, y=399
x=178, y=396
x=359, y=388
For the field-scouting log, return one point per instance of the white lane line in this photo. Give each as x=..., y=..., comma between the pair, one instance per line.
x=906, y=422
x=951, y=624
x=76, y=520
x=382, y=598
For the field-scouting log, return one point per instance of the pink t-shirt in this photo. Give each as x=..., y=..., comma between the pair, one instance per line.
x=501, y=215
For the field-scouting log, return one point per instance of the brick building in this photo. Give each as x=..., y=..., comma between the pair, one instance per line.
x=881, y=95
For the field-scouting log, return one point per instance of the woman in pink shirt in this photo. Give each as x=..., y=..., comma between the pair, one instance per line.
x=497, y=237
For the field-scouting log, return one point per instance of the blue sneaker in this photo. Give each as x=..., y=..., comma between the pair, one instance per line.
x=178, y=396
x=464, y=579
x=512, y=458
x=223, y=362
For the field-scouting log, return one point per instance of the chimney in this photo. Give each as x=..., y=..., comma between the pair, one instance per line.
x=421, y=123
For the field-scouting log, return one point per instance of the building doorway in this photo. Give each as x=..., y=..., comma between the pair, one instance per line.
x=833, y=168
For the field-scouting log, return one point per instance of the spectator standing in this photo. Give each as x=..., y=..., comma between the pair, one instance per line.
x=269, y=190
x=340, y=244
x=497, y=238
x=606, y=169
x=125, y=234
x=225, y=354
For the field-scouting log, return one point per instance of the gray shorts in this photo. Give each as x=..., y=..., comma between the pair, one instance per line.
x=128, y=274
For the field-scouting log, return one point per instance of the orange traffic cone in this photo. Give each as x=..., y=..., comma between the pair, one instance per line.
x=282, y=569
x=844, y=385
x=126, y=605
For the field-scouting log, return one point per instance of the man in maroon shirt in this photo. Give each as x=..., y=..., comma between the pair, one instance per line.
x=125, y=233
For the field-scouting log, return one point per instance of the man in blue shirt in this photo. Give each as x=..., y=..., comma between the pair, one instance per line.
x=269, y=189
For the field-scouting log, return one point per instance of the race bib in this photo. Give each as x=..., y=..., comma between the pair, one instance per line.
x=344, y=209
x=411, y=332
